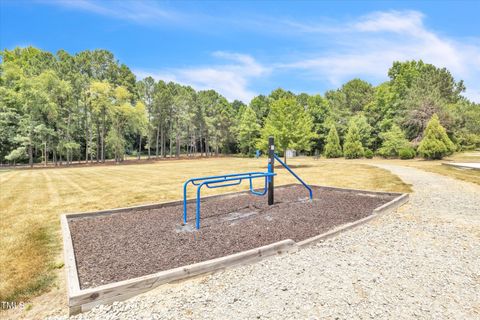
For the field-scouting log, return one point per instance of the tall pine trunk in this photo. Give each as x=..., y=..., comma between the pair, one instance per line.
x=149, y=141
x=201, y=143
x=45, y=153
x=30, y=147
x=156, y=145
x=139, y=147
x=177, y=142
x=102, y=141
x=98, y=143
x=207, y=147
x=86, y=135
x=162, y=140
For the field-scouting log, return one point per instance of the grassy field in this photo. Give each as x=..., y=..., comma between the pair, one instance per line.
x=436, y=166
x=32, y=200
x=462, y=174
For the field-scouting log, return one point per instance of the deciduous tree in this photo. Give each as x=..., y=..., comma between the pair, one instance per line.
x=290, y=125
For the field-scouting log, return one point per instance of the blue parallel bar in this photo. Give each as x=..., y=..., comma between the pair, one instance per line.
x=193, y=180
x=212, y=181
x=293, y=173
x=265, y=188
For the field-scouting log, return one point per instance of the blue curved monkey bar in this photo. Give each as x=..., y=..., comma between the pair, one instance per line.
x=295, y=175
x=212, y=182
x=236, y=178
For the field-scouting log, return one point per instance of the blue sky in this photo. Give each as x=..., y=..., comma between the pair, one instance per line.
x=242, y=49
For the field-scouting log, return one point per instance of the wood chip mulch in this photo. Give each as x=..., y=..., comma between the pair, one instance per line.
x=135, y=243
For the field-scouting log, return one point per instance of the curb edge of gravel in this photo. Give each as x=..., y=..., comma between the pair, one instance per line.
x=387, y=207
x=83, y=300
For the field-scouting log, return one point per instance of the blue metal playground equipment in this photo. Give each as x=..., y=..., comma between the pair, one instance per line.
x=228, y=180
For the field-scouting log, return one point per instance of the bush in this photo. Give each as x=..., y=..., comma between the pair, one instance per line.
x=393, y=141
x=406, y=153
x=368, y=154
x=435, y=143
x=466, y=140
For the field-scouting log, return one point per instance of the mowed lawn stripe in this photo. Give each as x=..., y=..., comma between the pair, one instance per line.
x=32, y=200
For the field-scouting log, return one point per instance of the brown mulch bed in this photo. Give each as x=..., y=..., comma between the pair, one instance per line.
x=135, y=243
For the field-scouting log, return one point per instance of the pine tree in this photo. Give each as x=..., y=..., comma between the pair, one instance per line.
x=333, y=148
x=393, y=141
x=353, y=148
x=435, y=143
x=248, y=131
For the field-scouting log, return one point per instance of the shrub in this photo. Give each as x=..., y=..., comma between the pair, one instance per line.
x=467, y=140
x=368, y=154
x=353, y=148
x=333, y=148
x=435, y=143
x=406, y=153
x=393, y=141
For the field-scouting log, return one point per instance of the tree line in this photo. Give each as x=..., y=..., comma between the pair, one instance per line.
x=88, y=107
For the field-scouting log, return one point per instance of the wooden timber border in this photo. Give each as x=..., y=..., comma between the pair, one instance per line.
x=81, y=300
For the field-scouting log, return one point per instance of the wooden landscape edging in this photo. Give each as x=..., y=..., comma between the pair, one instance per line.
x=80, y=300
x=387, y=207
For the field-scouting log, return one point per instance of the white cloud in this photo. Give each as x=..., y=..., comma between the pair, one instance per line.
x=362, y=47
x=407, y=22
x=142, y=12
x=368, y=46
x=230, y=79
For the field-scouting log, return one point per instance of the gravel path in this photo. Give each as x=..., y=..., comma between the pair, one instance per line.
x=422, y=262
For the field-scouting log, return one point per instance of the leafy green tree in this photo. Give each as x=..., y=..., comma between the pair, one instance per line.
x=62, y=106
x=364, y=129
x=320, y=111
x=124, y=119
x=11, y=78
x=38, y=107
x=405, y=75
x=421, y=90
x=393, y=141
x=139, y=124
x=16, y=154
x=146, y=91
x=339, y=113
x=332, y=146
x=466, y=125
x=435, y=143
x=248, y=131
x=238, y=106
x=381, y=113
x=352, y=148
x=100, y=98
x=280, y=93
x=290, y=125
x=358, y=94
x=260, y=104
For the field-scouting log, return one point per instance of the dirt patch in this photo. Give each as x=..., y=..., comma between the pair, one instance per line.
x=131, y=244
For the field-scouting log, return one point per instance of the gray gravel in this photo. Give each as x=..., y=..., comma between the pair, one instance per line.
x=422, y=262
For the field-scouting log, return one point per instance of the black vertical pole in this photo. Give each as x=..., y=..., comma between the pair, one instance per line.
x=271, y=165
